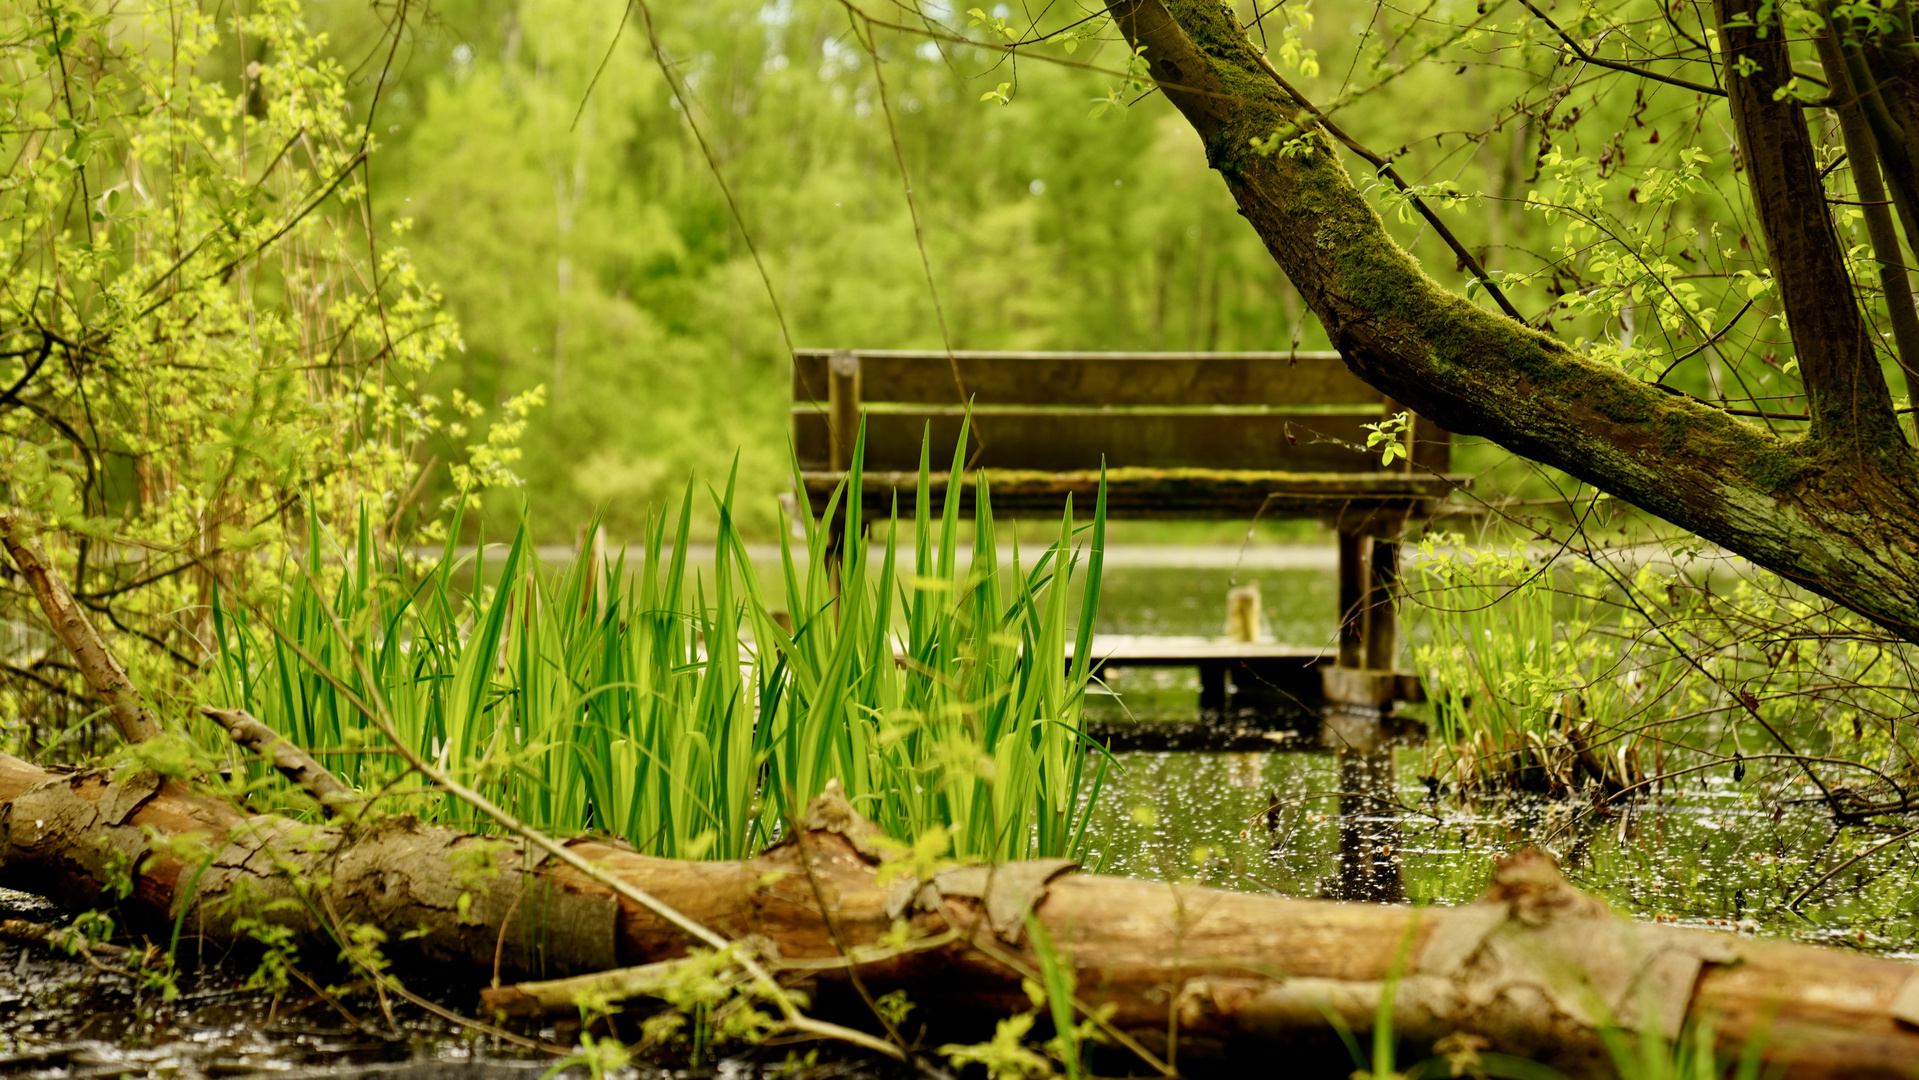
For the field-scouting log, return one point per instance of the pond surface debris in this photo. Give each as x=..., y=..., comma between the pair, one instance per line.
x=62, y=1019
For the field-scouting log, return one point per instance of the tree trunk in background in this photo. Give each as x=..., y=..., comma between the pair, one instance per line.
x=1833, y=511
x=1532, y=967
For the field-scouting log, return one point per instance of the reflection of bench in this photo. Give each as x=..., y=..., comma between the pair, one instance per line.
x=1182, y=435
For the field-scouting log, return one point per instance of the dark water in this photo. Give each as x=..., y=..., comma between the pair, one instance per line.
x=60, y=1018
x=1348, y=816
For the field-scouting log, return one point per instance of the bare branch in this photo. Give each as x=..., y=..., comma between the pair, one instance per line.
x=292, y=762
x=1615, y=65
x=130, y=711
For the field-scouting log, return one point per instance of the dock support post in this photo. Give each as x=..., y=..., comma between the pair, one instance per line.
x=1212, y=686
x=1382, y=616
x=1352, y=596
x=843, y=429
x=1369, y=621
x=842, y=409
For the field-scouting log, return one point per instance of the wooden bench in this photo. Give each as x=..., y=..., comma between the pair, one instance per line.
x=1181, y=435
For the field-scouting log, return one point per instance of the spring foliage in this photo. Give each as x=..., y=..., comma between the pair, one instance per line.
x=200, y=320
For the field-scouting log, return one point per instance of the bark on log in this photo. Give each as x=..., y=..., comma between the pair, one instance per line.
x=1534, y=966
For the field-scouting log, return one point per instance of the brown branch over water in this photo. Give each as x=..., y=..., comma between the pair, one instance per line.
x=1833, y=512
x=289, y=760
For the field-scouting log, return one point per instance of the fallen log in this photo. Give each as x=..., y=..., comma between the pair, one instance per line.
x=1534, y=968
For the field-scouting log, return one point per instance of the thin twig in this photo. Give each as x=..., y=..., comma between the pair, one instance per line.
x=625, y=14
x=713, y=164
x=28, y=932
x=1384, y=166
x=912, y=205
x=1706, y=344
x=1616, y=65
x=1835, y=871
x=292, y=762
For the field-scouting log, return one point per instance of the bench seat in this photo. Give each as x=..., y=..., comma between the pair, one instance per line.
x=1143, y=493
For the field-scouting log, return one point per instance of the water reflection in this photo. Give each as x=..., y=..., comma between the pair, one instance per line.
x=1357, y=822
x=1343, y=809
x=1370, y=865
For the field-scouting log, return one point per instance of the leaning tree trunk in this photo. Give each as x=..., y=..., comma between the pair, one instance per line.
x=1833, y=511
x=1536, y=967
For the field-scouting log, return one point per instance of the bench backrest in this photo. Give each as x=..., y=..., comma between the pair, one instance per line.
x=1065, y=411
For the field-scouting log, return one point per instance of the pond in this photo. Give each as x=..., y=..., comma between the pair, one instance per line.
x=1339, y=807
x=1348, y=813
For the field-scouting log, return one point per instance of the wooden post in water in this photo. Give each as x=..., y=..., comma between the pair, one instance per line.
x=1242, y=626
x=1369, y=632
x=1243, y=614
x=1353, y=549
x=1382, y=617
x=843, y=407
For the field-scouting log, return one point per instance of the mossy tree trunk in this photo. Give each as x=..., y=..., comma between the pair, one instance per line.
x=1833, y=510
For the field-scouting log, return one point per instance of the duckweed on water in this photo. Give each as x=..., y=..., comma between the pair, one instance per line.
x=1309, y=825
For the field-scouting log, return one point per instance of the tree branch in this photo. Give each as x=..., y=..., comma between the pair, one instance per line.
x=108, y=679
x=289, y=760
x=1615, y=65
x=1865, y=158
x=1385, y=167
x=1840, y=527
x=1850, y=405
x=1884, y=92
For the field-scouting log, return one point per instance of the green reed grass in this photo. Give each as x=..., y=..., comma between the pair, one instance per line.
x=1520, y=661
x=1625, y=666
x=1506, y=639
x=671, y=707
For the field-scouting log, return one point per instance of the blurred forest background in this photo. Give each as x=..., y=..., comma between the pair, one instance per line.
x=583, y=243
x=582, y=290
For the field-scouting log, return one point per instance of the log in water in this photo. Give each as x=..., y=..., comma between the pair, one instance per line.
x=1535, y=967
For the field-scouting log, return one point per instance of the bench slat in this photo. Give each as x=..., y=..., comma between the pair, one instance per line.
x=1055, y=441
x=1355, y=499
x=1087, y=378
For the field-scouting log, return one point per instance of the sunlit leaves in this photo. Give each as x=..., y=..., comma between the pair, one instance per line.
x=204, y=323
x=1389, y=437
x=1293, y=50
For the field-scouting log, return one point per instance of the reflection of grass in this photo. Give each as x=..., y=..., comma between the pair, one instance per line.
x=589, y=698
